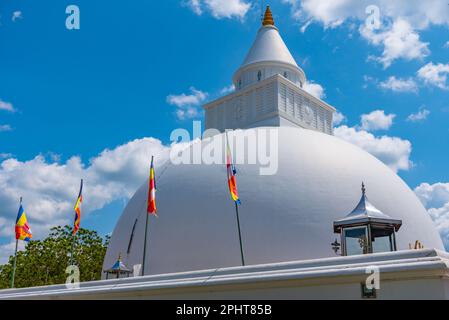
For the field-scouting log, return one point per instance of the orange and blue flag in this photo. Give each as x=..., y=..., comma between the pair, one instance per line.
x=232, y=182
x=23, y=231
x=151, y=208
x=79, y=202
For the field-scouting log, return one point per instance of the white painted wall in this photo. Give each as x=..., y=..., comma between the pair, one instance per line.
x=269, y=103
x=409, y=274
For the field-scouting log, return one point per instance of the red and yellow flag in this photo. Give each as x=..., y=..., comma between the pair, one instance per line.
x=79, y=202
x=151, y=209
x=23, y=231
x=232, y=182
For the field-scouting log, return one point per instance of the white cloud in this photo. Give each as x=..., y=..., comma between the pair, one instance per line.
x=314, y=89
x=305, y=26
x=49, y=189
x=16, y=15
x=329, y=13
x=338, y=118
x=446, y=45
x=420, y=14
x=435, y=198
x=228, y=89
x=421, y=115
x=5, y=155
x=435, y=74
x=220, y=8
x=400, y=21
x=5, y=128
x=195, y=6
x=399, y=42
x=6, y=106
x=187, y=104
x=399, y=85
x=393, y=151
x=187, y=113
x=6, y=229
x=369, y=80
x=6, y=250
x=377, y=120
x=440, y=217
x=228, y=8
x=195, y=98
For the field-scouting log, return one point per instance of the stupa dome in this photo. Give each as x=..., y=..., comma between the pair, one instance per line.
x=284, y=217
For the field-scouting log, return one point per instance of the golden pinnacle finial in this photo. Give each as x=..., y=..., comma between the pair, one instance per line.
x=268, y=18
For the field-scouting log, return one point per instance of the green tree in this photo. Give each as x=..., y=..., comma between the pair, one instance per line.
x=44, y=262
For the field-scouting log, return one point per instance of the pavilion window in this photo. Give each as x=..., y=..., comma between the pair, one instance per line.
x=383, y=240
x=355, y=241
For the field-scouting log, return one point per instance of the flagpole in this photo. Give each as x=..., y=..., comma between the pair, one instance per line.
x=71, y=251
x=74, y=224
x=146, y=229
x=13, y=276
x=236, y=206
x=240, y=234
x=14, y=266
x=145, y=243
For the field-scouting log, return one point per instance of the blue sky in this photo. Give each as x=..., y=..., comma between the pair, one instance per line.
x=86, y=102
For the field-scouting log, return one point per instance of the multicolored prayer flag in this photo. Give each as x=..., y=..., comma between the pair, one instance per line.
x=23, y=231
x=151, y=209
x=232, y=182
x=79, y=202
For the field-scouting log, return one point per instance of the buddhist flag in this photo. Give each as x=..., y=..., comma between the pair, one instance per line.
x=151, y=209
x=79, y=202
x=232, y=182
x=23, y=231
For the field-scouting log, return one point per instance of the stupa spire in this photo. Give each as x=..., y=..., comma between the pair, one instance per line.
x=268, y=18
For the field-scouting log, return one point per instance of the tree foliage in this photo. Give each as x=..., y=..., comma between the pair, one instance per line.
x=44, y=262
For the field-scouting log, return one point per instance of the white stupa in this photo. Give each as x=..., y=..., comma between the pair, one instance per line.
x=289, y=220
x=284, y=217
